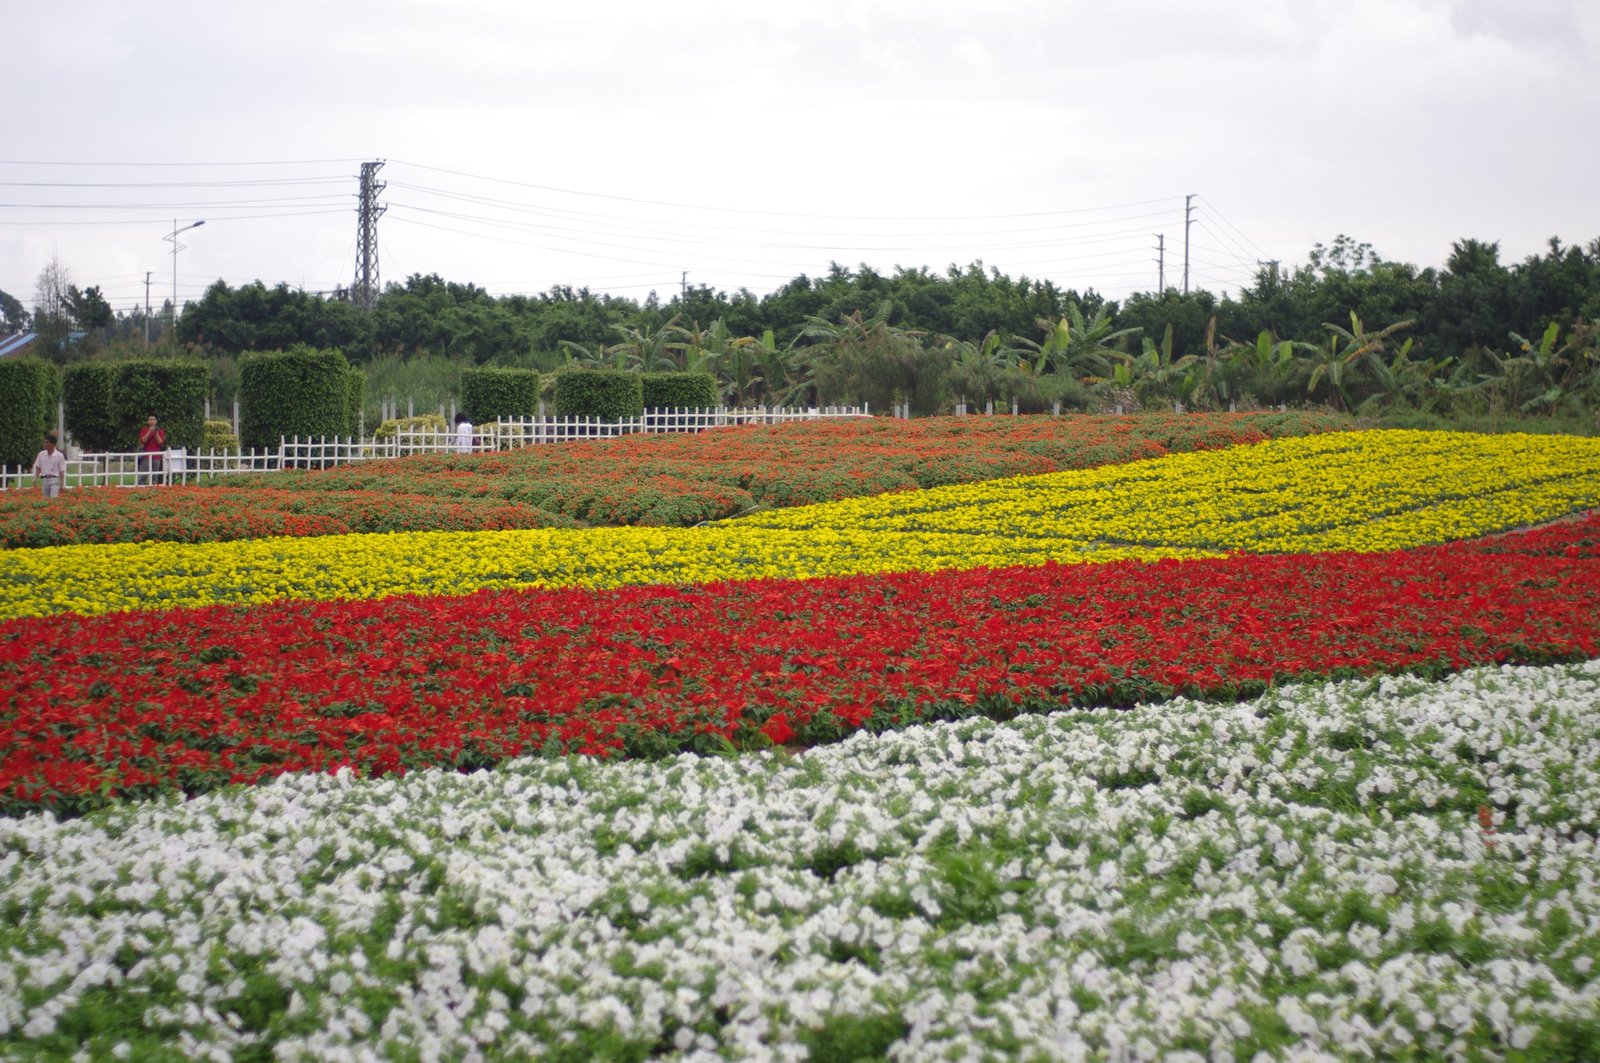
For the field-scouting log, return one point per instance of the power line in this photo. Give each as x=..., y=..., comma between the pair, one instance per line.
x=1232, y=226
x=773, y=213
x=156, y=221
x=187, y=204
x=275, y=182
x=568, y=214
x=178, y=165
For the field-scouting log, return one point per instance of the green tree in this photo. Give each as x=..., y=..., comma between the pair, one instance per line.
x=89, y=309
x=13, y=316
x=864, y=359
x=52, y=310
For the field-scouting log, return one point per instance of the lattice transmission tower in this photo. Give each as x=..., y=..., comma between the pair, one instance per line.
x=365, y=292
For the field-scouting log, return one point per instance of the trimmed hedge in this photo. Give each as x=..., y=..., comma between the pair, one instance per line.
x=608, y=394
x=302, y=392
x=173, y=390
x=493, y=392
x=430, y=422
x=218, y=436
x=679, y=391
x=355, y=401
x=27, y=393
x=89, y=391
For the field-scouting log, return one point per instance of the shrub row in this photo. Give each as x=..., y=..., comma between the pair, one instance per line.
x=27, y=391
x=301, y=392
x=614, y=394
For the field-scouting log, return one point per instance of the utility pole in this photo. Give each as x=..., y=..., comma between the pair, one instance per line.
x=176, y=247
x=1161, y=262
x=365, y=292
x=1188, y=220
x=147, y=308
x=684, y=283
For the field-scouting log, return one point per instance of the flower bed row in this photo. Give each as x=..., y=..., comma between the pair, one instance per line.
x=658, y=480
x=201, y=515
x=1372, y=490
x=1384, y=869
x=1355, y=490
x=100, y=707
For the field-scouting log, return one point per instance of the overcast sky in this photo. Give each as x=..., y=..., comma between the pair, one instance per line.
x=619, y=145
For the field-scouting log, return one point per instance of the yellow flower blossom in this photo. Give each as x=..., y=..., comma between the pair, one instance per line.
x=1376, y=490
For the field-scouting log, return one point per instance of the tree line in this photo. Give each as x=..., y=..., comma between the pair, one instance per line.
x=1347, y=328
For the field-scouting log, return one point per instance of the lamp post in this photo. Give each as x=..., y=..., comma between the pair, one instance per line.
x=176, y=247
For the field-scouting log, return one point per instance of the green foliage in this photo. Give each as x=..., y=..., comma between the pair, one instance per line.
x=172, y=389
x=866, y=360
x=301, y=392
x=89, y=392
x=425, y=422
x=27, y=395
x=489, y=393
x=218, y=436
x=679, y=391
x=355, y=384
x=608, y=394
x=254, y=317
x=1482, y=339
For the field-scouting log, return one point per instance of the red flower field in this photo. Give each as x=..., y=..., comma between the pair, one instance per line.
x=137, y=703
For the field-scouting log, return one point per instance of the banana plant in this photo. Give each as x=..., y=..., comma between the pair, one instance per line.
x=1157, y=369
x=977, y=369
x=1348, y=349
x=1083, y=348
x=1267, y=363
x=716, y=350
x=647, y=349
x=1558, y=370
x=779, y=375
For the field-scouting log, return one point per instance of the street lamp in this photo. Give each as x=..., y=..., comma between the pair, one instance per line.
x=176, y=247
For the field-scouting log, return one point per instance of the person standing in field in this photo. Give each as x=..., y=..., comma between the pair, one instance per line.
x=50, y=468
x=152, y=441
x=463, y=434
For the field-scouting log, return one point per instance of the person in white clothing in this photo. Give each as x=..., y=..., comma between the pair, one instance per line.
x=463, y=434
x=50, y=467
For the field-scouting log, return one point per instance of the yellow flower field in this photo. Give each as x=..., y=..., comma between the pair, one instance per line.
x=1376, y=490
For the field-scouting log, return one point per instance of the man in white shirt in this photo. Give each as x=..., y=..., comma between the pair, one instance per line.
x=50, y=467
x=463, y=434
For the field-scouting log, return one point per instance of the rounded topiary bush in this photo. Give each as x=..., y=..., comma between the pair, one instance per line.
x=422, y=422
x=217, y=436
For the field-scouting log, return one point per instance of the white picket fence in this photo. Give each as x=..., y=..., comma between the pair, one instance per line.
x=134, y=469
